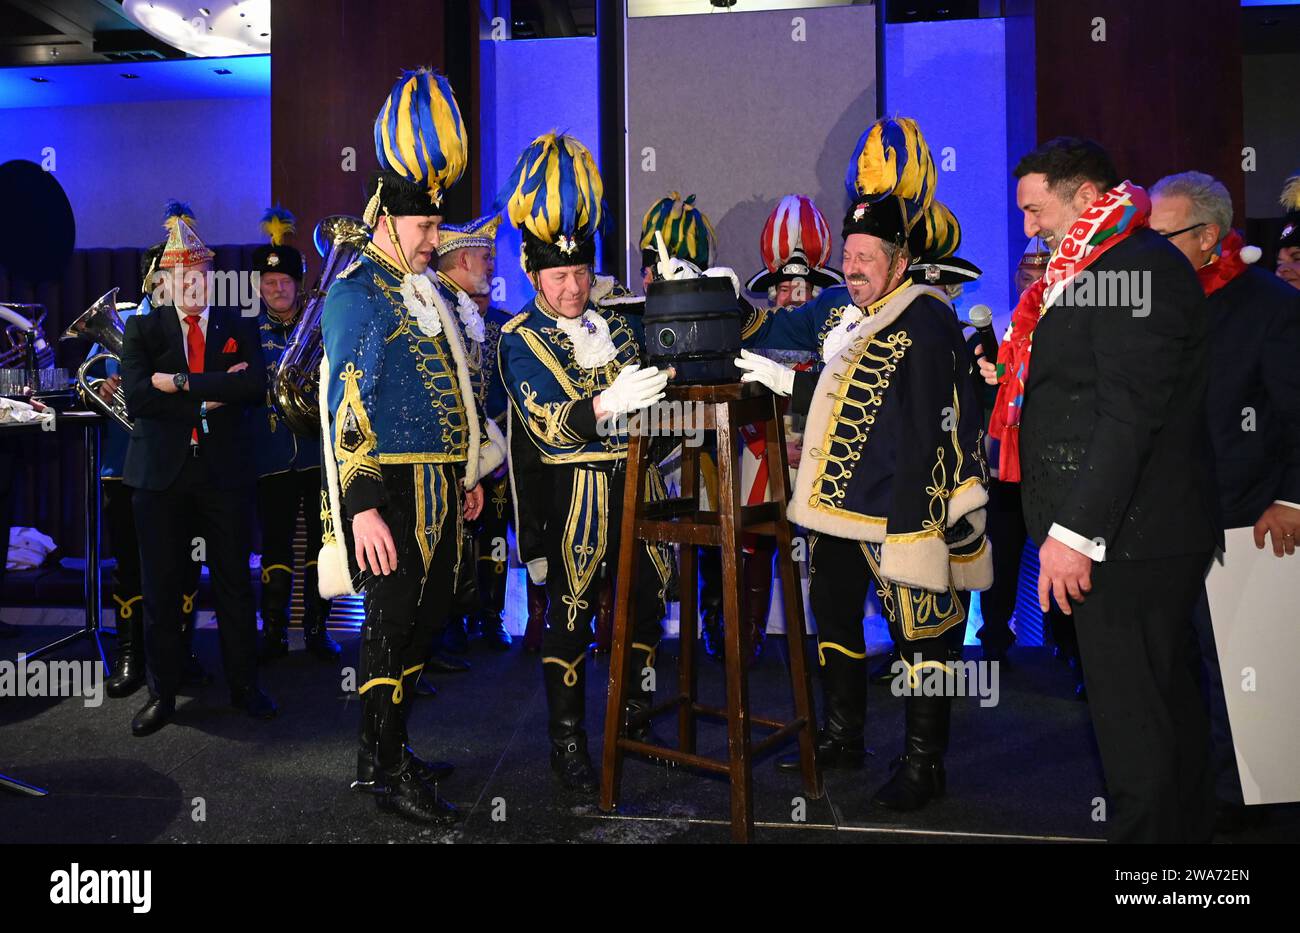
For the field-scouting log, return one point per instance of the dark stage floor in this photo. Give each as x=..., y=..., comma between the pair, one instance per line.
x=1023, y=770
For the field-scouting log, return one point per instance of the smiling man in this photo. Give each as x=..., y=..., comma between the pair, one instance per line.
x=1104, y=426
x=892, y=483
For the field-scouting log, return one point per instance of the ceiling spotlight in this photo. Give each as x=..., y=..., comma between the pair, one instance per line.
x=208, y=31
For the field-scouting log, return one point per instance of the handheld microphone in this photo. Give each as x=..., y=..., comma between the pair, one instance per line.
x=981, y=318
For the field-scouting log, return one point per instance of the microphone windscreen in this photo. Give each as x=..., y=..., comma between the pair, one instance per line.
x=981, y=316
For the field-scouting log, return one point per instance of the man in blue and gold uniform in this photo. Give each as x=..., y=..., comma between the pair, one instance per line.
x=571, y=368
x=288, y=466
x=406, y=445
x=466, y=261
x=892, y=482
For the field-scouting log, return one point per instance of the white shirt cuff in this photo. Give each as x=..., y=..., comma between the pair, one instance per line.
x=1294, y=505
x=1085, y=546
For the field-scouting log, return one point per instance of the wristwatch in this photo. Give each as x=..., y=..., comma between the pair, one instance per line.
x=181, y=380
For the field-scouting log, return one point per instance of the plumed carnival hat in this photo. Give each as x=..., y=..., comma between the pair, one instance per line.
x=932, y=244
x=421, y=146
x=1291, y=201
x=183, y=247
x=890, y=180
x=1037, y=255
x=686, y=231
x=796, y=244
x=277, y=256
x=481, y=231
x=555, y=197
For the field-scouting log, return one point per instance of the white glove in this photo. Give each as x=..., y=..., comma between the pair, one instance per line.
x=723, y=272
x=770, y=373
x=634, y=388
x=682, y=269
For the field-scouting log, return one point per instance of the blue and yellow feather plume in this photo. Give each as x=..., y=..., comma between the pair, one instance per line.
x=892, y=158
x=419, y=133
x=278, y=223
x=175, y=211
x=555, y=191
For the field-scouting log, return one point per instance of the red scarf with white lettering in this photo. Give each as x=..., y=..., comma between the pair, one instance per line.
x=1109, y=220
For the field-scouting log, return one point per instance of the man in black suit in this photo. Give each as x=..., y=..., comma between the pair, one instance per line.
x=191, y=373
x=1253, y=411
x=1114, y=465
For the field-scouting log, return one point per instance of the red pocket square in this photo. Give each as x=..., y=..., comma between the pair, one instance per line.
x=230, y=346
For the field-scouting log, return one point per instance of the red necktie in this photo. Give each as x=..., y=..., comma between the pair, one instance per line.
x=194, y=346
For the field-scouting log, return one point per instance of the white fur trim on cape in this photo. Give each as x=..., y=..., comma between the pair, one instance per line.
x=973, y=573
x=333, y=564
x=921, y=562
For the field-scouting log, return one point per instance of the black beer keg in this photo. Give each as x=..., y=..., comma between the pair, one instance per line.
x=693, y=325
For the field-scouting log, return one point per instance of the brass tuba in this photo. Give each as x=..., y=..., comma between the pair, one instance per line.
x=294, y=387
x=100, y=323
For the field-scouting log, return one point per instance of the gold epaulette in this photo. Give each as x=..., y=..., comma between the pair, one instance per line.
x=356, y=264
x=509, y=326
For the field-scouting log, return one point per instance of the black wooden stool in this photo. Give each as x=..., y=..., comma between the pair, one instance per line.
x=680, y=520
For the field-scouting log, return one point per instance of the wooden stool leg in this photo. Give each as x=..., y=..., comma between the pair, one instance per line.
x=738, y=726
x=620, y=656
x=792, y=603
x=689, y=587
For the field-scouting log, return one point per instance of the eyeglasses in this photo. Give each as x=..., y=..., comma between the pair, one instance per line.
x=1170, y=236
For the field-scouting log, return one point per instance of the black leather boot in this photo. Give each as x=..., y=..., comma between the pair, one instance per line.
x=492, y=603
x=128, y=667
x=277, y=585
x=840, y=744
x=537, y=606
x=315, y=634
x=407, y=795
x=883, y=672
x=712, y=633
x=455, y=638
x=919, y=777
x=639, y=698
x=756, y=598
x=566, y=704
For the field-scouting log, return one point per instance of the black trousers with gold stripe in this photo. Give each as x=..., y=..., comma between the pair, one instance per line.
x=491, y=549
x=927, y=625
x=406, y=608
x=583, y=538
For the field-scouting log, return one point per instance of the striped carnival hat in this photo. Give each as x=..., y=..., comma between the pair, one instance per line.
x=796, y=244
x=891, y=180
x=686, y=230
x=555, y=197
x=421, y=145
x=481, y=231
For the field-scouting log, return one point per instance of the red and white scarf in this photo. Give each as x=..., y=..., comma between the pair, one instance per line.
x=1109, y=220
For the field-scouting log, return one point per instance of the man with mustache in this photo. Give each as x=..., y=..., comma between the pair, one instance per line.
x=464, y=275
x=892, y=481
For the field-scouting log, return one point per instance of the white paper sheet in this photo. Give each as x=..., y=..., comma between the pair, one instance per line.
x=1255, y=607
